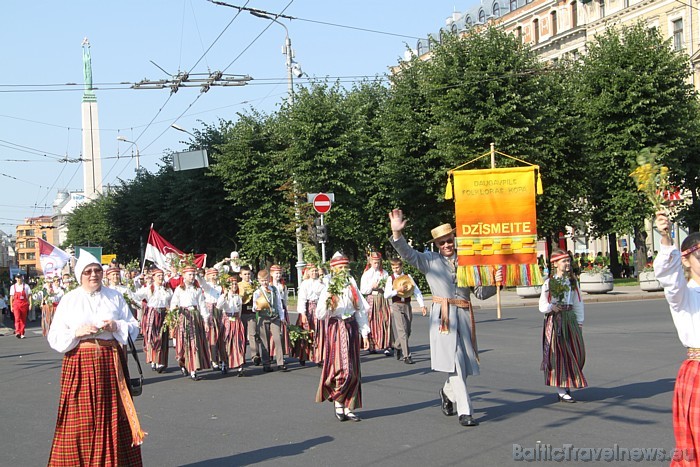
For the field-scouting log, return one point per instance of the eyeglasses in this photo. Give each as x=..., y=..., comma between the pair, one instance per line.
x=89, y=272
x=442, y=242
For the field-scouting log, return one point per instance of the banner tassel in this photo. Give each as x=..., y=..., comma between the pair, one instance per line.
x=448, y=189
x=539, y=184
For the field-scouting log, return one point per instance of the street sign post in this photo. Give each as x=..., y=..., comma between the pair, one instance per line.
x=322, y=203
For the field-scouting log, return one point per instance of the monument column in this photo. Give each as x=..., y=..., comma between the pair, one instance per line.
x=92, y=163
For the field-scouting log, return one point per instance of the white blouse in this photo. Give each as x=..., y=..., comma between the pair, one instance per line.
x=187, y=297
x=345, y=308
x=572, y=297
x=683, y=296
x=159, y=298
x=79, y=307
x=369, y=277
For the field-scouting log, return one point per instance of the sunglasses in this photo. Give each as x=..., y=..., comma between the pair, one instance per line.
x=442, y=242
x=89, y=272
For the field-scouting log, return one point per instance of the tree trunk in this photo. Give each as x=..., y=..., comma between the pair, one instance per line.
x=640, y=237
x=615, y=268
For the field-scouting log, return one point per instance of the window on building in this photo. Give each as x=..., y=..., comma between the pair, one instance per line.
x=482, y=16
x=43, y=234
x=536, y=31
x=468, y=21
x=31, y=256
x=513, y=5
x=553, y=17
x=31, y=244
x=519, y=33
x=678, y=34
x=453, y=28
x=419, y=48
x=625, y=3
x=601, y=3
x=496, y=9
x=29, y=233
x=574, y=15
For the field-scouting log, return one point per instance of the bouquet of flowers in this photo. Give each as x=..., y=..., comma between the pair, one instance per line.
x=336, y=287
x=652, y=178
x=299, y=334
x=171, y=319
x=559, y=287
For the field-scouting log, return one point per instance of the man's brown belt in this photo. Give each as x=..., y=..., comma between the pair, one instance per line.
x=445, y=316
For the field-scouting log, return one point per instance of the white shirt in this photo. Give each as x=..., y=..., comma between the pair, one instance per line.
x=309, y=290
x=229, y=303
x=212, y=291
x=189, y=296
x=345, y=308
x=158, y=298
x=389, y=291
x=683, y=296
x=79, y=307
x=572, y=297
x=369, y=278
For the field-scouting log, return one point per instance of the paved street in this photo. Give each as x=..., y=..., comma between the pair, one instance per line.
x=633, y=354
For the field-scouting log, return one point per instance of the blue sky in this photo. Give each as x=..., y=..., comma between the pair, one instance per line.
x=40, y=122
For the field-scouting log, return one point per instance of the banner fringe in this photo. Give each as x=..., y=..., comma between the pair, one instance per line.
x=514, y=275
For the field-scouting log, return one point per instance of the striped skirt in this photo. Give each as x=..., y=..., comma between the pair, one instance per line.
x=341, y=376
x=233, y=340
x=92, y=427
x=155, y=336
x=379, y=317
x=192, y=347
x=318, y=326
x=563, y=351
x=686, y=414
x=304, y=350
x=47, y=312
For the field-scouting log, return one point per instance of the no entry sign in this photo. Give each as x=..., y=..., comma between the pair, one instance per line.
x=322, y=203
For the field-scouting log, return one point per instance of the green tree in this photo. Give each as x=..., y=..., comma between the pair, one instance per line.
x=633, y=92
x=90, y=224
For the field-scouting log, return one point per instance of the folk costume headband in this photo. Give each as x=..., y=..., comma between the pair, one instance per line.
x=555, y=258
x=690, y=250
x=339, y=259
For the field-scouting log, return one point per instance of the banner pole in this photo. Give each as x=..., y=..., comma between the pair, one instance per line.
x=498, y=284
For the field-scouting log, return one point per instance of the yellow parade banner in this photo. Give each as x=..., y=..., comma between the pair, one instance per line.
x=496, y=225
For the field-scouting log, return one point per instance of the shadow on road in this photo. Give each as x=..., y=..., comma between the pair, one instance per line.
x=265, y=454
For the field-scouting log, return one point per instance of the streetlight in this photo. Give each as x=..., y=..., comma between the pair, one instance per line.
x=293, y=68
x=123, y=139
x=179, y=128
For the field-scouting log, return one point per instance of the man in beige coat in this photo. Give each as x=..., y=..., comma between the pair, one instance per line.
x=453, y=347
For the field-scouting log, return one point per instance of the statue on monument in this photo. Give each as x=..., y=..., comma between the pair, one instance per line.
x=87, y=64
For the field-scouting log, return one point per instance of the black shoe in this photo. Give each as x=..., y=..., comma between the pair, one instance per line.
x=241, y=372
x=353, y=417
x=267, y=369
x=387, y=353
x=160, y=369
x=399, y=354
x=224, y=369
x=184, y=372
x=408, y=360
x=467, y=420
x=447, y=406
x=340, y=416
x=257, y=360
x=320, y=364
x=567, y=398
x=195, y=377
x=302, y=362
x=283, y=368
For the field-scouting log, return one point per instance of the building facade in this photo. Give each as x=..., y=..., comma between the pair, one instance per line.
x=27, y=245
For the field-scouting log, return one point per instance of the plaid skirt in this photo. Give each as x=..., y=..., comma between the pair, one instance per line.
x=341, y=376
x=686, y=414
x=92, y=427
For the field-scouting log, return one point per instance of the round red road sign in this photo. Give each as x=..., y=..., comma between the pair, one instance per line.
x=322, y=203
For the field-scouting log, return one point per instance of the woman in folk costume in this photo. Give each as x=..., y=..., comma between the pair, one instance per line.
x=155, y=334
x=278, y=282
x=309, y=292
x=345, y=310
x=232, y=331
x=53, y=295
x=191, y=345
x=97, y=422
x=114, y=281
x=679, y=273
x=372, y=287
x=563, y=351
x=212, y=292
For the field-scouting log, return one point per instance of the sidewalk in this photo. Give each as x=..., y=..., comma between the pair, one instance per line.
x=622, y=293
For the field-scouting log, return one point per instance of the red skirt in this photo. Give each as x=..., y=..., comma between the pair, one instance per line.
x=233, y=342
x=192, y=347
x=341, y=376
x=155, y=335
x=379, y=317
x=686, y=414
x=92, y=428
x=563, y=351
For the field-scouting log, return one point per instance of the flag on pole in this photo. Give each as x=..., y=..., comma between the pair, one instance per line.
x=159, y=250
x=52, y=258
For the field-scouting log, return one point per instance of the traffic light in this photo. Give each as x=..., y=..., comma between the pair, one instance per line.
x=322, y=233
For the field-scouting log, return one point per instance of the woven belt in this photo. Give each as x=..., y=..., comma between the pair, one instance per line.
x=693, y=353
x=445, y=316
x=398, y=299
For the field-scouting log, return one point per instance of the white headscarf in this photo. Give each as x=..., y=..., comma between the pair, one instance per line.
x=84, y=261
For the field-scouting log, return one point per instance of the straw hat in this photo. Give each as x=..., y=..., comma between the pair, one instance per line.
x=402, y=282
x=442, y=231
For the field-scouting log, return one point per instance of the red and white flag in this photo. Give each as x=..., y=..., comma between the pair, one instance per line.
x=52, y=258
x=159, y=250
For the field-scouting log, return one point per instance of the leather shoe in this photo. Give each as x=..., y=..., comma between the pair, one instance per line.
x=284, y=368
x=340, y=416
x=353, y=417
x=447, y=406
x=408, y=360
x=257, y=360
x=567, y=398
x=467, y=420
